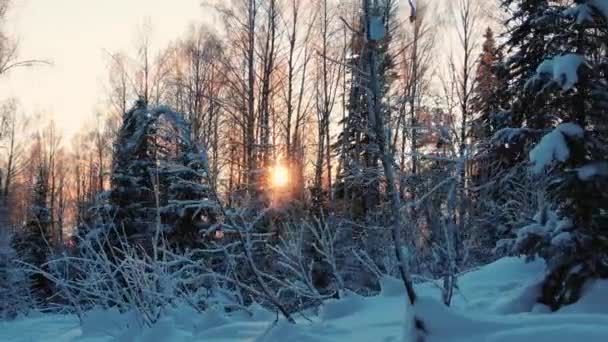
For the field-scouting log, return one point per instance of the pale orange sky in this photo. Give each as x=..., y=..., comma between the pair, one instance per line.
x=74, y=34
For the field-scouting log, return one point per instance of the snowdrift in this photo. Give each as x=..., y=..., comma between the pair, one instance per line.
x=495, y=303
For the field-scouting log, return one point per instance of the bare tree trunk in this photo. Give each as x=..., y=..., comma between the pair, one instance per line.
x=467, y=15
x=249, y=143
x=387, y=159
x=388, y=164
x=268, y=62
x=322, y=101
x=10, y=172
x=413, y=93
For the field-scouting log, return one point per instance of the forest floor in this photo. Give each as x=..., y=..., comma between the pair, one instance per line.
x=494, y=303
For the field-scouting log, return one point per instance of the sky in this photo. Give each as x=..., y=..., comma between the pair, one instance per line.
x=76, y=36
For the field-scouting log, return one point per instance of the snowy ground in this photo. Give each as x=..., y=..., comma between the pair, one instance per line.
x=495, y=303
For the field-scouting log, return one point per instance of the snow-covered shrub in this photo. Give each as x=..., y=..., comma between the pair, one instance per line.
x=548, y=237
x=506, y=203
x=15, y=285
x=130, y=279
x=558, y=241
x=307, y=260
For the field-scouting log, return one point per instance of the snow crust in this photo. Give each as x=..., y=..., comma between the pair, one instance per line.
x=495, y=303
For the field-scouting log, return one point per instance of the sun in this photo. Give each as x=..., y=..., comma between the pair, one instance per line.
x=279, y=176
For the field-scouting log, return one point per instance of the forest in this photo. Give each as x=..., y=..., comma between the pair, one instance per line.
x=288, y=155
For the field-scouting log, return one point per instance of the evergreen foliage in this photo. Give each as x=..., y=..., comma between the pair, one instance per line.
x=15, y=284
x=358, y=180
x=490, y=97
x=34, y=240
x=159, y=181
x=568, y=94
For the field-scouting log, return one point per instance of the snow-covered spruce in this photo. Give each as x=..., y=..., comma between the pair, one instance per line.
x=15, y=284
x=560, y=87
x=158, y=183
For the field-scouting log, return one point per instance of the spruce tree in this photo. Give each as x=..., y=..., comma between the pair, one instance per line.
x=528, y=35
x=490, y=98
x=489, y=106
x=132, y=189
x=358, y=179
x=159, y=180
x=33, y=242
x=570, y=86
x=15, y=285
x=188, y=204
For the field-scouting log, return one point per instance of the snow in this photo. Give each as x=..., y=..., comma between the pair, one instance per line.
x=601, y=5
x=595, y=301
x=563, y=69
x=582, y=12
x=376, y=28
x=494, y=303
x=593, y=170
x=549, y=228
x=562, y=239
x=507, y=135
x=554, y=147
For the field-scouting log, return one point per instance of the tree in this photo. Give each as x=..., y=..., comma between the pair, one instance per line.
x=298, y=60
x=9, y=58
x=525, y=53
x=327, y=81
x=358, y=179
x=13, y=162
x=157, y=180
x=240, y=70
x=569, y=87
x=195, y=88
x=488, y=103
x=489, y=96
x=34, y=241
x=90, y=150
x=15, y=285
x=374, y=32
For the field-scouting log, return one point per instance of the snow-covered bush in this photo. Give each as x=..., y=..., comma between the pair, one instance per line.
x=556, y=239
x=506, y=203
x=15, y=285
x=130, y=279
x=548, y=237
x=307, y=259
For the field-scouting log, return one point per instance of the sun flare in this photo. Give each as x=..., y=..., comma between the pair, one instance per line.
x=280, y=176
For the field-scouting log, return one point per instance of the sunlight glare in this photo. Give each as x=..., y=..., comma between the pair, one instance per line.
x=280, y=176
